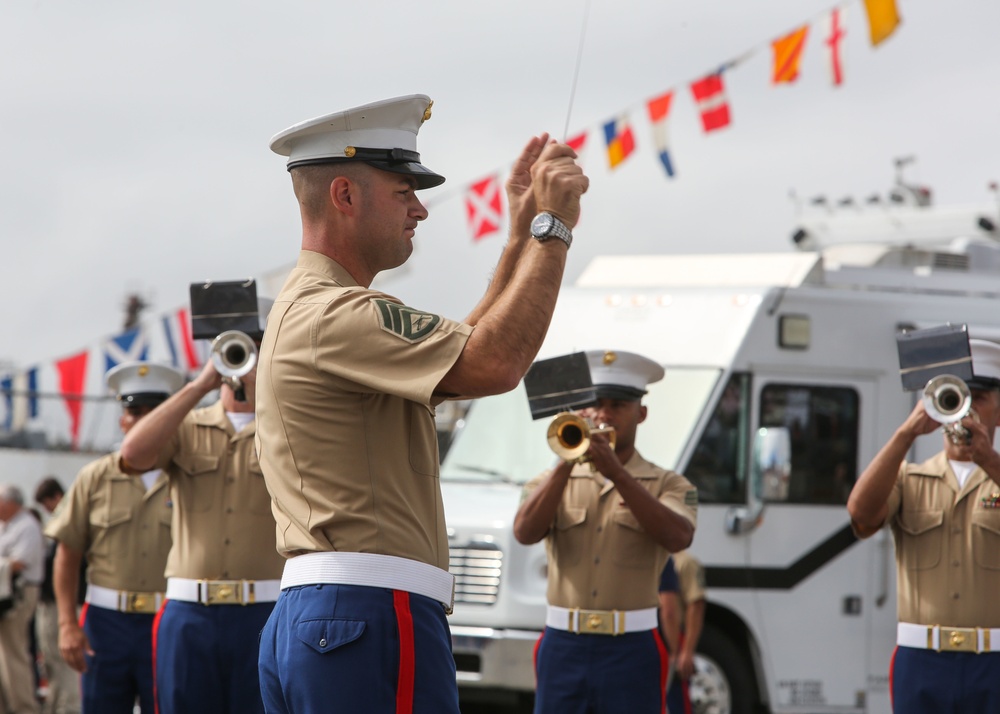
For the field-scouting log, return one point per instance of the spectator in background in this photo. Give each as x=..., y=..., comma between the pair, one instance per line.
x=63, y=696
x=22, y=555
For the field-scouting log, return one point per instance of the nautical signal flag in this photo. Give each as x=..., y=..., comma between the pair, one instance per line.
x=710, y=96
x=787, y=52
x=883, y=18
x=576, y=142
x=835, y=32
x=621, y=143
x=659, y=109
x=129, y=346
x=180, y=344
x=484, y=207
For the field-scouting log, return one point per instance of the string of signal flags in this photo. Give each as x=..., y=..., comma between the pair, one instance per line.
x=485, y=199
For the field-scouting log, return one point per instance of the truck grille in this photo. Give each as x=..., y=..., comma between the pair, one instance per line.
x=476, y=567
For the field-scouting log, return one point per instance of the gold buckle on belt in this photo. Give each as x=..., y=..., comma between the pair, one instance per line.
x=597, y=622
x=959, y=639
x=225, y=592
x=142, y=603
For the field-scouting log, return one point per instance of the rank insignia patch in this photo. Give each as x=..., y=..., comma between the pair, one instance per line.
x=405, y=322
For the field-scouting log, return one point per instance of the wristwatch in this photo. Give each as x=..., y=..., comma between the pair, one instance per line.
x=545, y=226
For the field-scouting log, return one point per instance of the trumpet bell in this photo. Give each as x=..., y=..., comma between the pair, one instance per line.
x=947, y=399
x=234, y=354
x=569, y=436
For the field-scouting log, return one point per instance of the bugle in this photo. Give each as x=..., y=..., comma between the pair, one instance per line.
x=569, y=436
x=947, y=400
x=234, y=355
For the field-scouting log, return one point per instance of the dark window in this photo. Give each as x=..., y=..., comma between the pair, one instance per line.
x=823, y=425
x=718, y=465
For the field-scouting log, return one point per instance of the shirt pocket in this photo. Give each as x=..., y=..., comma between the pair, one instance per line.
x=423, y=440
x=986, y=538
x=198, y=469
x=120, y=503
x=569, y=540
x=632, y=547
x=924, y=533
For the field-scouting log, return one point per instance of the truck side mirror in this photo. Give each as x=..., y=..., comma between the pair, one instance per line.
x=770, y=470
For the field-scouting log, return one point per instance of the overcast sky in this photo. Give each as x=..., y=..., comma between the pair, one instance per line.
x=136, y=134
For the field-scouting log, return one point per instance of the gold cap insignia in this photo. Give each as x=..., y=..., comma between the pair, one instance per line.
x=427, y=112
x=349, y=151
x=609, y=357
x=143, y=371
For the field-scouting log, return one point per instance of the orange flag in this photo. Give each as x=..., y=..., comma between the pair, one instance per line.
x=883, y=17
x=788, y=56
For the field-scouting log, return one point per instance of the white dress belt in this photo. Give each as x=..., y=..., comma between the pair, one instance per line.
x=600, y=622
x=948, y=639
x=371, y=570
x=124, y=600
x=223, y=592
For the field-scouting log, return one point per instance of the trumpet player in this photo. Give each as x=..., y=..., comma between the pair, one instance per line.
x=609, y=525
x=223, y=572
x=945, y=518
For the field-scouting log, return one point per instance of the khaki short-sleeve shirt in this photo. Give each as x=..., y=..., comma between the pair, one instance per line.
x=691, y=577
x=222, y=524
x=600, y=558
x=345, y=414
x=122, y=528
x=947, y=545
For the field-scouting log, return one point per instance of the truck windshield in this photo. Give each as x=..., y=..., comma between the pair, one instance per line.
x=499, y=441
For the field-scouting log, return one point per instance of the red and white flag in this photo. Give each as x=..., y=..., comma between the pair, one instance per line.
x=484, y=207
x=835, y=28
x=710, y=96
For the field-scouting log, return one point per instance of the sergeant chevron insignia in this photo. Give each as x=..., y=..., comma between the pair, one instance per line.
x=405, y=322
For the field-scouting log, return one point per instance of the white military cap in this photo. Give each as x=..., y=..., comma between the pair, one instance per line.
x=143, y=383
x=622, y=375
x=985, y=364
x=383, y=134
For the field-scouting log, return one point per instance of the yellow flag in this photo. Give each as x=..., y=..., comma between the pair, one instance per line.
x=883, y=17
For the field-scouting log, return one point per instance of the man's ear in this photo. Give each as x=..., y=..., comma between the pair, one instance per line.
x=642, y=414
x=343, y=195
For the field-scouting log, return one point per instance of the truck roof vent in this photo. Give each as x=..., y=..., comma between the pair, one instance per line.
x=476, y=567
x=950, y=261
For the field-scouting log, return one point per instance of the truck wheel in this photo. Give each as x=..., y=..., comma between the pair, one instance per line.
x=723, y=680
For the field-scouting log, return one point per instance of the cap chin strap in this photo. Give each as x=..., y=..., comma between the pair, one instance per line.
x=392, y=156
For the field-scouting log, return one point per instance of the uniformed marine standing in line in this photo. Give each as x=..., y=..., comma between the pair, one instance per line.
x=682, y=615
x=121, y=525
x=223, y=571
x=349, y=378
x=609, y=526
x=945, y=518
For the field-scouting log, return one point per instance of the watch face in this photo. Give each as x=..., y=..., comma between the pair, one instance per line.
x=541, y=225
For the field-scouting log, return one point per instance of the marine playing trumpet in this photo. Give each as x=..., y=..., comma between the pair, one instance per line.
x=569, y=436
x=234, y=355
x=947, y=399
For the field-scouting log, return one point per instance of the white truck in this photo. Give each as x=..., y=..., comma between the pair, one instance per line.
x=781, y=384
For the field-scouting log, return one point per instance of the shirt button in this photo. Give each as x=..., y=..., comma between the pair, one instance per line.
x=226, y=541
x=322, y=643
x=954, y=596
x=596, y=561
x=229, y=510
x=600, y=528
x=594, y=593
x=955, y=563
x=956, y=530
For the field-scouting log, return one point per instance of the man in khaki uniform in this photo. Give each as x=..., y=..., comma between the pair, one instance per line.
x=121, y=525
x=349, y=379
x=609, y=526
x=682, y=616
x=945, y=518
x=222, y=571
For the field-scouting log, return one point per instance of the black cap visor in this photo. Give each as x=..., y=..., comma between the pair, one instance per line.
x=143, y=399
x=399, y=161
x=619, y=391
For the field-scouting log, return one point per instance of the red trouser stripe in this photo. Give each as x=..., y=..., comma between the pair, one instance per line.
x=83, y=613
x=892, y=667
x=407, y=660
x=156, y=629
x=664, y=668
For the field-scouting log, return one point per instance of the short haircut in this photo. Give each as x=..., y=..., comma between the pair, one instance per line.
x=311, y=183
x=48, y=488
x=12, y=494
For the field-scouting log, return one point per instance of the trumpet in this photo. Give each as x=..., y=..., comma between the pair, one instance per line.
x=569, y=436
x=947, y=399
x=234, y=355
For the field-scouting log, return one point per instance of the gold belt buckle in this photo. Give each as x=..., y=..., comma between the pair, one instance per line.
x=600, y=622
x=958, y=639
x=222, y=592
x=143, y=603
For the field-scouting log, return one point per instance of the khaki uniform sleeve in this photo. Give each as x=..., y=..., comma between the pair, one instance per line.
x=375, y=343
x=70, y=524
x=691, y=576
x=895, y=501
x=680, y=496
